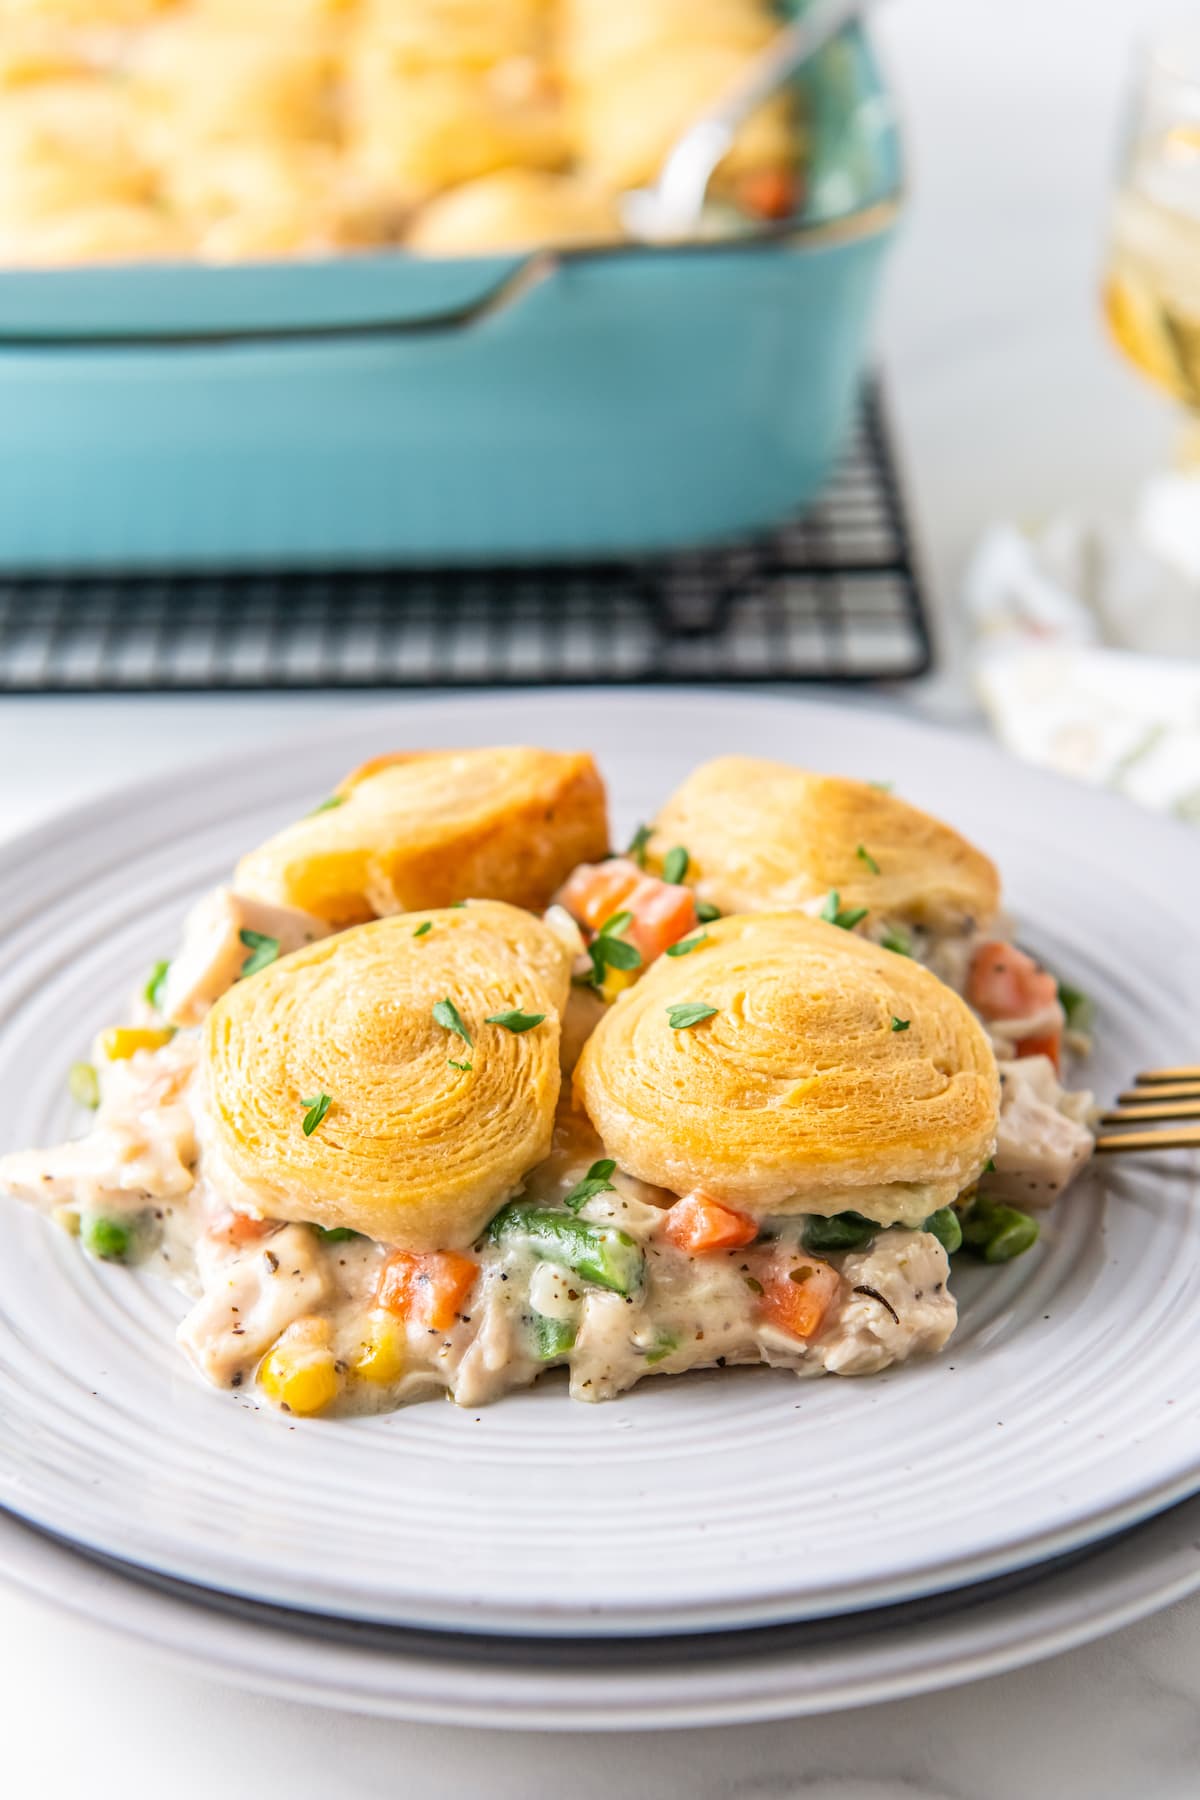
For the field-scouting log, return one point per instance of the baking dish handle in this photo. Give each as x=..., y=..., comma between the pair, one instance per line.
x=517, y=281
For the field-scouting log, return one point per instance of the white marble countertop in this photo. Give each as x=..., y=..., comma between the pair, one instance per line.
x=1009, y=401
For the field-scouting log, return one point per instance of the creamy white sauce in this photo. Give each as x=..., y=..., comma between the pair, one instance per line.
x=140, y=1159
x=143, y=1161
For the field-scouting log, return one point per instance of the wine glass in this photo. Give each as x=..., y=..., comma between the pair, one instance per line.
x=1152, y=279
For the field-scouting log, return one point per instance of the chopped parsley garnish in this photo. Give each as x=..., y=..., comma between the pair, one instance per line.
x=466, y=1067
x=900, y=1024
x=596, y=1181
x=422, y=929
x=83, y=1085
x=609, y=951
x=263, y=950
x=688, y=1013
x=153, y=990
x=989, y=1167
x=864, y=856
x=637, y=845
x=327, y=805
x=318, y=1106
x=885, y=787
x=846, y=918
x=685, y=946
x=447, y=1015
x=706, y=912
x=899, y=941
x=516, y=1020
x=675, y=865
x=335, y=1234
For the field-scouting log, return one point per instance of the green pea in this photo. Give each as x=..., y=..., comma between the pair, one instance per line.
x=1018, y=1234
x=997, y=1233
x=946, y=1227
x=844, y=1231
x=109, y=1239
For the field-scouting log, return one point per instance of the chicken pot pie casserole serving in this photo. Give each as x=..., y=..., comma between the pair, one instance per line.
x=441, y=1092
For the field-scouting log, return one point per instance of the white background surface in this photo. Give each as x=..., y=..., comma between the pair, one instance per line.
x=1011, y=403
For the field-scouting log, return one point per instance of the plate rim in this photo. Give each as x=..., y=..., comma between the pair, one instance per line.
x=1087, y=1597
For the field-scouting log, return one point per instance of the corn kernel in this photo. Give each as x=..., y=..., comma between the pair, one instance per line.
x=616, y=981
x=299, y=1372
x=381, y=1354
x=121, y=1041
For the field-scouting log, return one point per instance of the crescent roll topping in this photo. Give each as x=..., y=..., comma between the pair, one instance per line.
x=425, y=829
x=351, y=1034
x=762, y=836
x=787, y=1087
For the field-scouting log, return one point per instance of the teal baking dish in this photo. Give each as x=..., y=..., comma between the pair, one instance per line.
x=381, y=409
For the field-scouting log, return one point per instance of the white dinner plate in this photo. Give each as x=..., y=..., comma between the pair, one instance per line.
x=1067, y=1407
x=722, y=1678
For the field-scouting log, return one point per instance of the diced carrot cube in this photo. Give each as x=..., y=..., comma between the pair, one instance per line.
x=593, y=892
x=769, y=193
x=1004, y=983
x=1048, y=1044
x=797, y=1292
x=698, y=1222
x=429, y=1289
x=663, y=911
x=240, y=1228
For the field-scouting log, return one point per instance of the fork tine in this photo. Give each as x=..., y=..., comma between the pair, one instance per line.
x=1186, y=1073
x=1163, y=1090
x=1124, y=1143
x=1167, y=1109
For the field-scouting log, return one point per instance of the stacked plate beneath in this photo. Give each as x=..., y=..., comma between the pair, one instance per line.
x=617, y=1564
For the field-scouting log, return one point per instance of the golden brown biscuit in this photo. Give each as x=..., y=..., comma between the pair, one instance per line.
x=426, y=1134
x=764, y=835
x=514, y=209
x=427, y=828
x=832, y=1075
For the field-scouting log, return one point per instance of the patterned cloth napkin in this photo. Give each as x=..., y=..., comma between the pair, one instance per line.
x=1086, y=652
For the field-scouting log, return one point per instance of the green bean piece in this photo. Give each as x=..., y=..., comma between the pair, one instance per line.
x=552, y=1337
x=844, y=1231
x=109, y=1239
x=335, y=1234
x=997, y=1234
x=83, y=1085
x=946, y=1226
x=152, y=993
x=1078, y=1007
x=599, y=1253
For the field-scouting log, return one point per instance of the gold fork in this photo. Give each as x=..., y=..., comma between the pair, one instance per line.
x=1156, y=1094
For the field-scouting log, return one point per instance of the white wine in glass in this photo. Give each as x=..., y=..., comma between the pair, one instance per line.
x=1152, y=282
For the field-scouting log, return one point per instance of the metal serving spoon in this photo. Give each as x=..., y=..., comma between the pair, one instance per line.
x=671, y=209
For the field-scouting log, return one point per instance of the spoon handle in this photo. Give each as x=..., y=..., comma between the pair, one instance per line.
x=689, y=166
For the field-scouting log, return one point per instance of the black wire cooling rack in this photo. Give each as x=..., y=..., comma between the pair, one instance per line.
x=831, y=595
